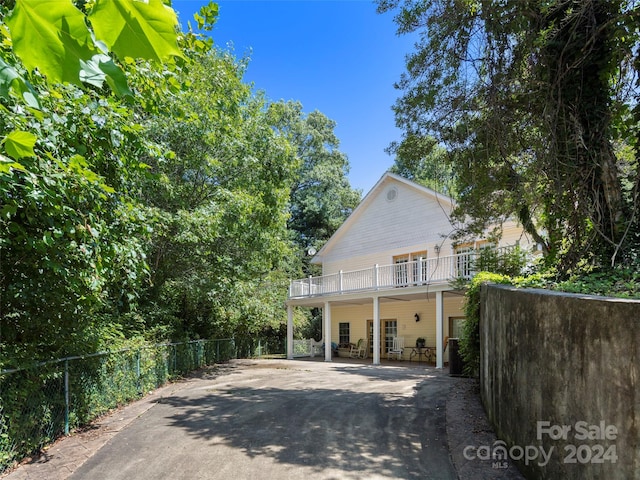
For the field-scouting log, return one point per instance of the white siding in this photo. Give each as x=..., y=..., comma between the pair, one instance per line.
x=412, y=222
x=403, y=312
x=513, y=233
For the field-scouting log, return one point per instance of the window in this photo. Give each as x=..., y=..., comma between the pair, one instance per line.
x=343, y=333
x=485, y=246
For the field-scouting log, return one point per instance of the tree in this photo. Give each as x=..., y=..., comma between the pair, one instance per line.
x=321, y=197
x=139, y=198
x=424, y=161
x=530, y=99
x=220, y=204
x=71, y=236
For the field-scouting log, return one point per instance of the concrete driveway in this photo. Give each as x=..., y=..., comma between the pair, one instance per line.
x=272, y=419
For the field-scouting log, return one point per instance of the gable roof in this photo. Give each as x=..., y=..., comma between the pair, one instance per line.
x=386, y=179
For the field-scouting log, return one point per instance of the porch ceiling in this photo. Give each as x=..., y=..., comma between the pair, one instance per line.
x=388, y=296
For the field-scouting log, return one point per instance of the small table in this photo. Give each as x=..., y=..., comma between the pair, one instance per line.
x=426, y=352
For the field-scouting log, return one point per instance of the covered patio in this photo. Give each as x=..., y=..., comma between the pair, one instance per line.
x=369, y=314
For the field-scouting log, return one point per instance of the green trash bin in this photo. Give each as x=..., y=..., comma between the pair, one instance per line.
x=456, y=363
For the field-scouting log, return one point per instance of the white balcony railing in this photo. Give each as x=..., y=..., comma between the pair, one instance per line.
x=424, y=271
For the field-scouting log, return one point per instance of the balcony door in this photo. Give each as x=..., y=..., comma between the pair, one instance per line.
x=401, y=270
x=409, y=270
x=420, y=272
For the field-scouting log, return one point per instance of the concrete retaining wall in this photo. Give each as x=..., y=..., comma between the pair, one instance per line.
x=561, y=372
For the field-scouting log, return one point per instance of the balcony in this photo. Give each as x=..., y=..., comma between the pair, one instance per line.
x=424, y=271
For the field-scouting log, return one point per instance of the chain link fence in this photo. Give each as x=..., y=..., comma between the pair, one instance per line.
x=252, y=347
x=40, y=403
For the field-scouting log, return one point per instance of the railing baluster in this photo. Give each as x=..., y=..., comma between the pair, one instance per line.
x=375, y=277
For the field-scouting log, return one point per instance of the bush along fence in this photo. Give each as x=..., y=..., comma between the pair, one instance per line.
x=42, y=402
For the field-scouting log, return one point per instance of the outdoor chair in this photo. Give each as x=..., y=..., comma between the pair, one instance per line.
x=316, y=348
x=397, y=349
x=359, y=350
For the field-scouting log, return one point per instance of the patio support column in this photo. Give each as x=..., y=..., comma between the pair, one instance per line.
x=289, y=332
x=326, y=311
x=376, y=330
x=439, y=330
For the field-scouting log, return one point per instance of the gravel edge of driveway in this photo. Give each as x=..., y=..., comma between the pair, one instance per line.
x=468, y=425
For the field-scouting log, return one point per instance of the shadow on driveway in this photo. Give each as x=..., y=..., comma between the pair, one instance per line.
x=276, y=419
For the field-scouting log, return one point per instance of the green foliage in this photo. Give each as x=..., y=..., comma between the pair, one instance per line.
x=136, y=29
x=423, y=161
x=207, y=17
x=470, y=341
x=12, y=81
x=531, y=101
x=71, y=235
x=71, y=238
x=510, y=262
x=321, y=197
x=54, y=37
x=623, y=282
x=32, y=400
x=20, y=144
x=156, y=209
x=160, y=208
x=219, y=203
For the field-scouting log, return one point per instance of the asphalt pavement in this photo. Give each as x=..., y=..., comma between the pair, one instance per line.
x=274, y=419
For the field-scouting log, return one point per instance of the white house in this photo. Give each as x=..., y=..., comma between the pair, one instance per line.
x=386, y=273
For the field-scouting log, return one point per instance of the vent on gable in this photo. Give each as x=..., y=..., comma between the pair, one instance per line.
x=392, y=194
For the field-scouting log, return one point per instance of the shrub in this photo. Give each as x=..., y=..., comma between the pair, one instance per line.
x=470, y=341
x=616, y=282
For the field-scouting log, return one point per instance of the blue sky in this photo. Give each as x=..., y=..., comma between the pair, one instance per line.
x=336, y=56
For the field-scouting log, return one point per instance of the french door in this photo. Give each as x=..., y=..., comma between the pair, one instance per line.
x=389, y=329
x=401, y=271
